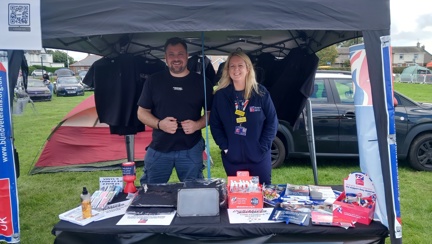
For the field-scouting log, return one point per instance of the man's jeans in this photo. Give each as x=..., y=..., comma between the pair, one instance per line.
x=158, y=166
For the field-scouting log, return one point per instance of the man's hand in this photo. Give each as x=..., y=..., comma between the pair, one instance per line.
x=189, y=126
x=168, y=125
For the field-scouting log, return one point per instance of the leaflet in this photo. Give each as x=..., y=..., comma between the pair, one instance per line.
x=147, y=219
x=250, y=216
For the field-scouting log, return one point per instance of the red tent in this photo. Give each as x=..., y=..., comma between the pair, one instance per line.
x=429, y=65
x=81, y=143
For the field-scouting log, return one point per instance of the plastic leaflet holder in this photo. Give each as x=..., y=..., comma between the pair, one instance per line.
x=207, y=204
x=217, y=183
x=200, y=200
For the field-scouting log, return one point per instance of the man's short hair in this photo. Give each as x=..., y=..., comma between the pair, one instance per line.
x=174, y=41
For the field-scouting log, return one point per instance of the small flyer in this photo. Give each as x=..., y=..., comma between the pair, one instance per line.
x=110, y=181
x=250, y=216
x=115, y=209
x=147, y=219
x=321, y=192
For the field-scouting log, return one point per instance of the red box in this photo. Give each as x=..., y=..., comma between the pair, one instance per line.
x=346, y=212
x=244, y=199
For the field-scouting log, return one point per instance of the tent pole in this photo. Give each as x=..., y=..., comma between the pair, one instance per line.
x=130, y=144
x=311, y=139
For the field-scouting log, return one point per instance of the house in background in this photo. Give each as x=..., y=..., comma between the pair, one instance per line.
x=85, y=63
x=343, y=58
x=39, y=57
x=409, y=56
x=401, y=56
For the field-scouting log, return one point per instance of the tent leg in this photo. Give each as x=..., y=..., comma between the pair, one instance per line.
x=130, y=144
x=311, y=139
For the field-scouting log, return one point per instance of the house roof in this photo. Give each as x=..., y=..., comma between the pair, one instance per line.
x=343, y=50
x=411, y=49
x=87, y=61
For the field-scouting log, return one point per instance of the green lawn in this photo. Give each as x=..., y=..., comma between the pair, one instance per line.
x=43, y=196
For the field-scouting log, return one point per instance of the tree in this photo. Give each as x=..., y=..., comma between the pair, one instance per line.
x=327, y=56
x=61, y=57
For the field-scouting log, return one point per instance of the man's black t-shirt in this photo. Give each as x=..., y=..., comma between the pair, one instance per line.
x=118, y=83
x=182, y=98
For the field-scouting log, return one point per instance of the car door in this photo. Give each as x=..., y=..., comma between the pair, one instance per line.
x=403, y=120
x=344, y=99
x=325, y=118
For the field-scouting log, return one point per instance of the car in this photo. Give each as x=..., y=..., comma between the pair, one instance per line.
x=37, y=90
x=38, y=72
x=64, y=72
x=68, y=86
x=335, y=131
x=81, y=75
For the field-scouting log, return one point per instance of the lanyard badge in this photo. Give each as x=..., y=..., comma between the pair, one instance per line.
x=240, y=130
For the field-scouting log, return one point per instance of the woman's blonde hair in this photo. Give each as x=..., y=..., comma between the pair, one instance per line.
x=251, y=82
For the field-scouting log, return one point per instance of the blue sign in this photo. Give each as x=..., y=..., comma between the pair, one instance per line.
x=9, y=222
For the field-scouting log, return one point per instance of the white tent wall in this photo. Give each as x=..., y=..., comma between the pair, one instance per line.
x=99, y=26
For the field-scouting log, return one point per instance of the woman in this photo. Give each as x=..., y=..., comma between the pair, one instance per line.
x=243, y=120
x=47, y=82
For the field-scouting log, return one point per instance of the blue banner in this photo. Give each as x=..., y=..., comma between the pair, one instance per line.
x=9, y=221
x=386, y=53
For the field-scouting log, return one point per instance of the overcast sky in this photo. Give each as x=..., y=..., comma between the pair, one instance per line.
x=411, y=22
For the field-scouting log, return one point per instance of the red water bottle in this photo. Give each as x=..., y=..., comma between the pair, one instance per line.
x=129, y=177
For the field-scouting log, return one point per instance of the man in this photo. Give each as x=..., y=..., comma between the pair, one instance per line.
x=171, y=103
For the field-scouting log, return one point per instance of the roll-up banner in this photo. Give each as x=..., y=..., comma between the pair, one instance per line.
x=366, y=130
x=9, y=222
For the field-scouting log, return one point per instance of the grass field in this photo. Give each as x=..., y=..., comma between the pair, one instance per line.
x=43, y=196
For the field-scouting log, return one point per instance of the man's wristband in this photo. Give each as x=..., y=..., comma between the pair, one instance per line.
x=158, y=124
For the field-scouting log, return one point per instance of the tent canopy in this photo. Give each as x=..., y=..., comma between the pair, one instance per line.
x=414, y=70
x=143, y=26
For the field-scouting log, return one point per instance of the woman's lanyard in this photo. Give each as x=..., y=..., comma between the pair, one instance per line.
x=240, y=112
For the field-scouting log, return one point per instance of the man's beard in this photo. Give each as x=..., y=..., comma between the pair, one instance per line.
x=177, y=70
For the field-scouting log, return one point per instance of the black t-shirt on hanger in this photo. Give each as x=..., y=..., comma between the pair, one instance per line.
x=118, y=84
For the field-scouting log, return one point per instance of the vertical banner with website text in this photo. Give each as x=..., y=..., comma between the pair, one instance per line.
x=386, y=53
x=9, y=222
x=370, y=162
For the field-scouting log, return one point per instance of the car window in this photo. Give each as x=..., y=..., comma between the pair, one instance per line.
x=402, y=101
x=319, y=94
x=35, y=83
x=64, y=73
x=71, y=80
x=345, y=91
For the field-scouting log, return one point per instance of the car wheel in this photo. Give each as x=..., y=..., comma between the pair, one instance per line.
x=420, y=155
x=278, y=152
